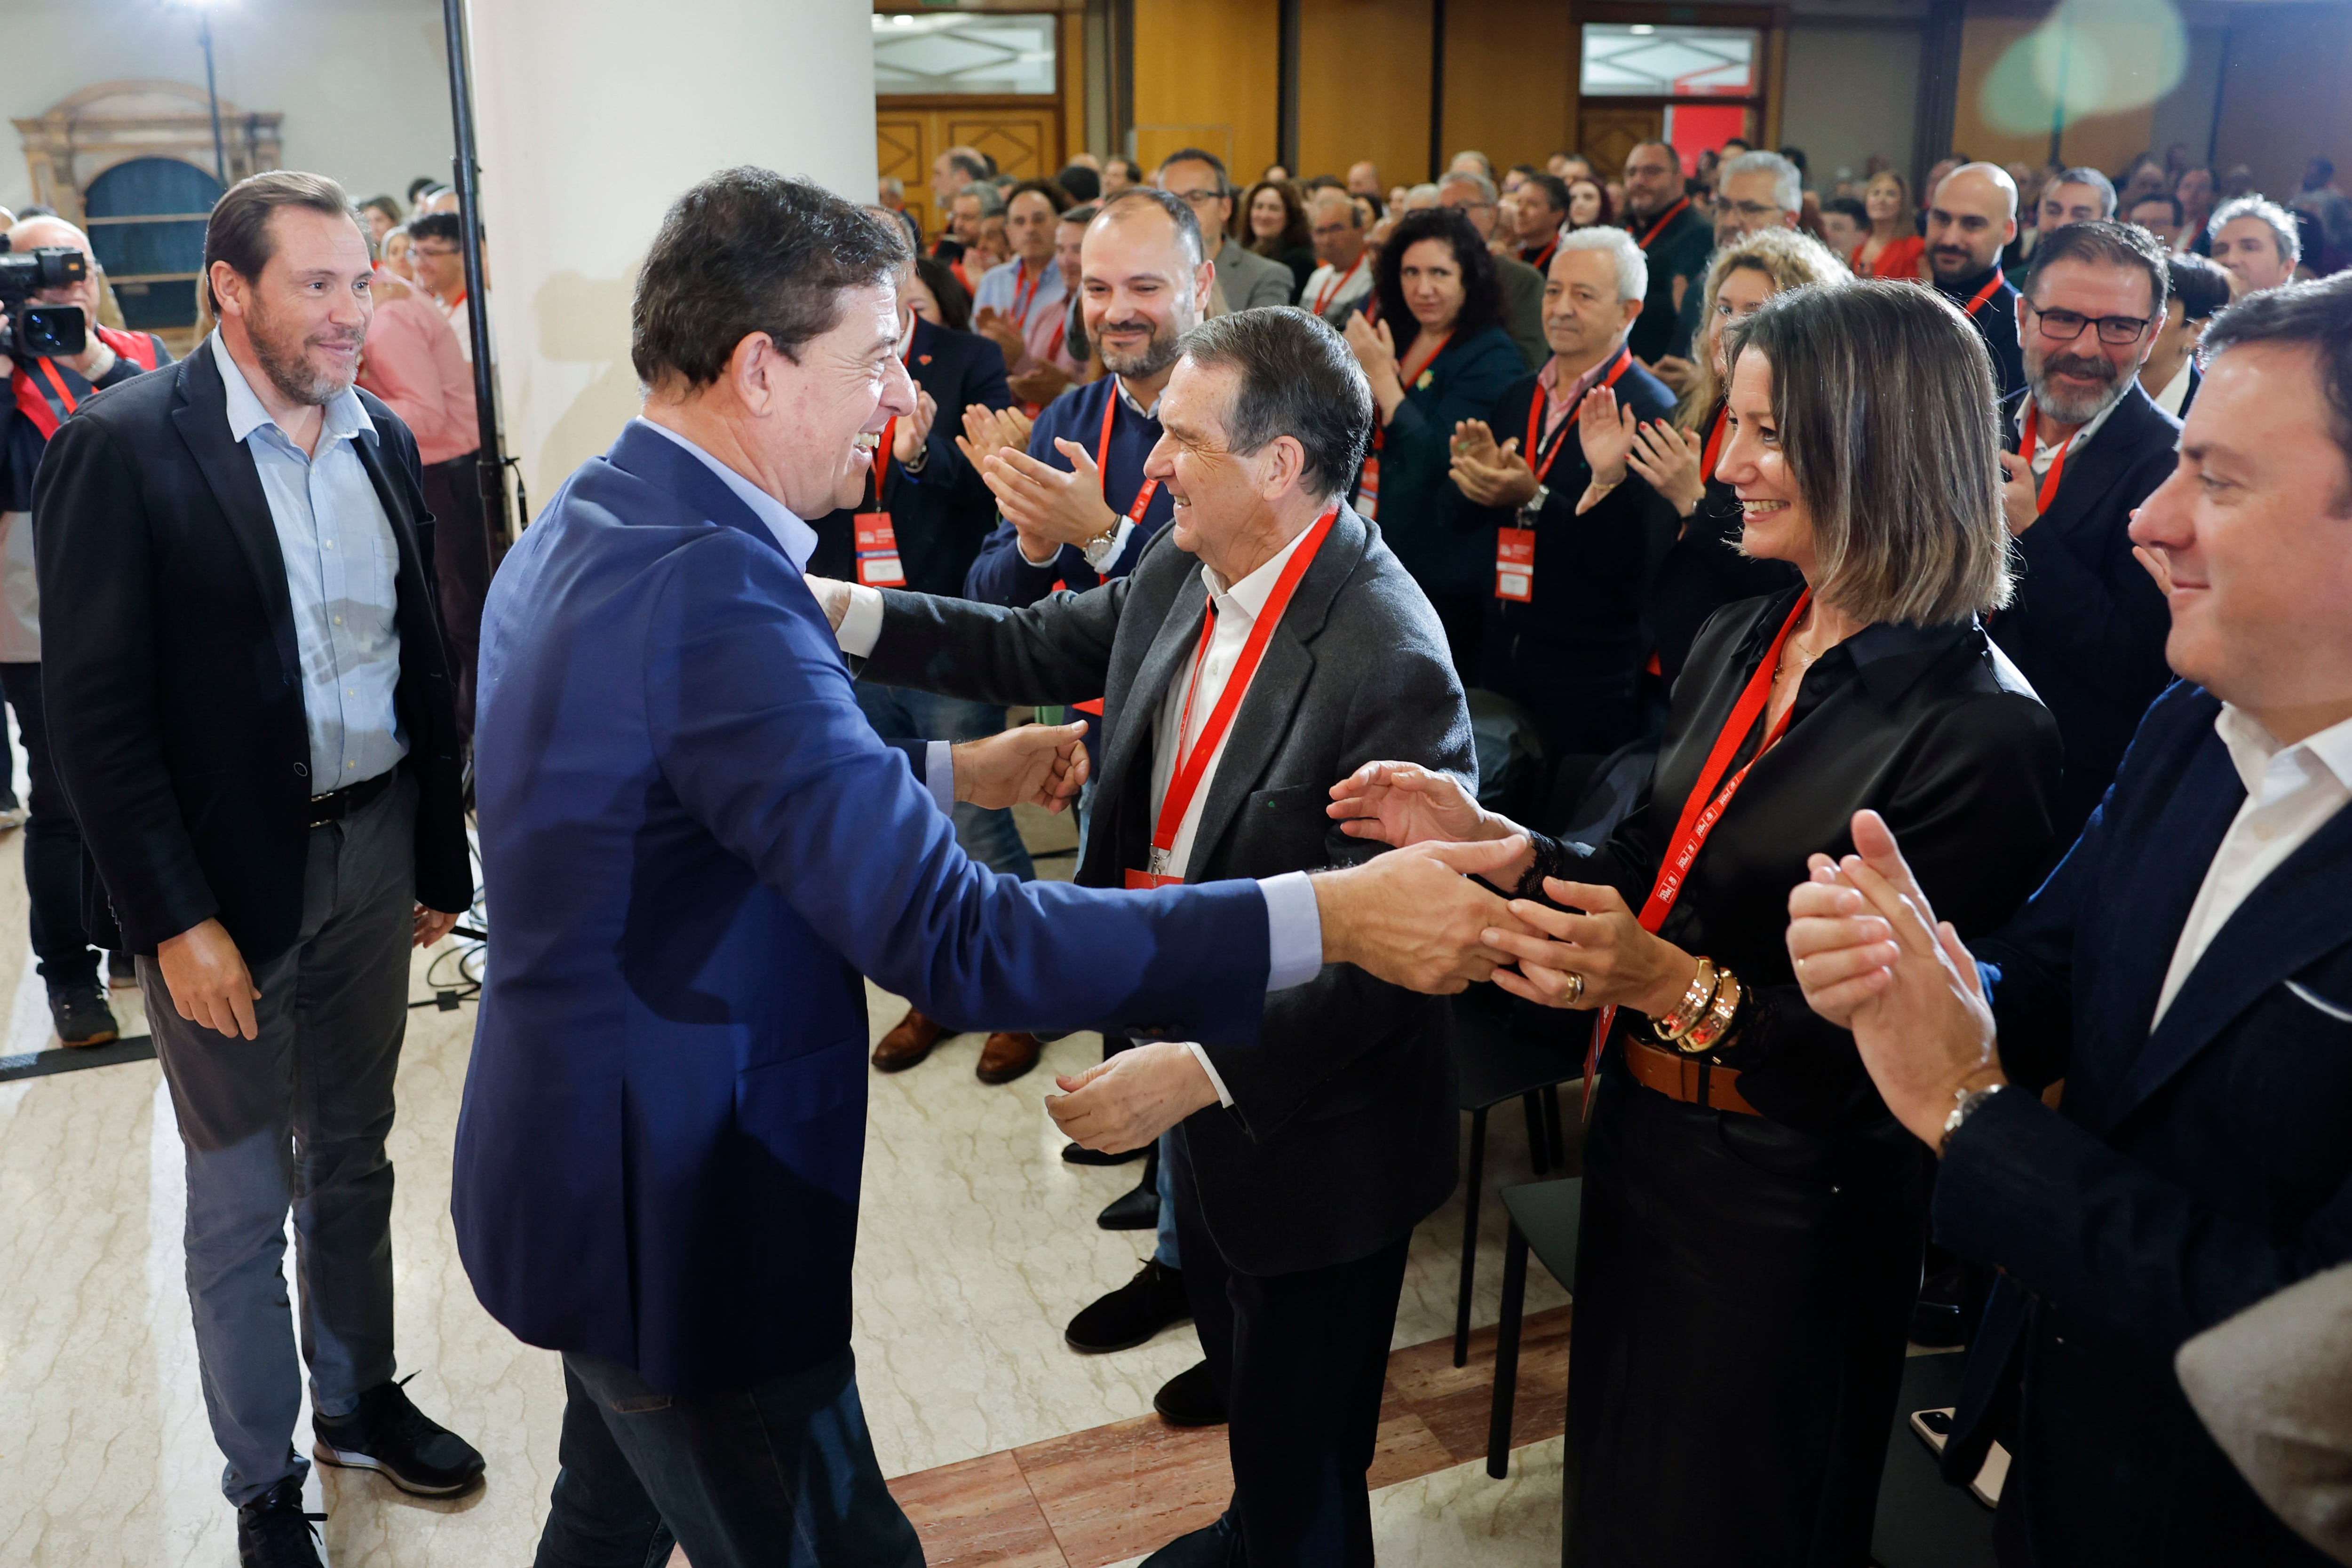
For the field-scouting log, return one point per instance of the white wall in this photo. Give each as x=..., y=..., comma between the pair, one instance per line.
x=362, y=83
x=1852, y=91
x=596, y=116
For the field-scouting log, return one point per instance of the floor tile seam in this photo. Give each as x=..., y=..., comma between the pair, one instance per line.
x=1043, y=1513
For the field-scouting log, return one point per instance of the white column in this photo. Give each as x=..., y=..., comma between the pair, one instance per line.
x=594, y=115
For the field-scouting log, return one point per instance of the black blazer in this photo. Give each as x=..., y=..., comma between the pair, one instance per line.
x=171, y=678
x=942, y=516
x=1585, y=607
x=2087, y=625
x=1343, y=1131
x=2190, y=1170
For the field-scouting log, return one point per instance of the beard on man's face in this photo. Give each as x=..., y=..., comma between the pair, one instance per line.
x=2065, y=404
x=1155, y=356
x=281, y=349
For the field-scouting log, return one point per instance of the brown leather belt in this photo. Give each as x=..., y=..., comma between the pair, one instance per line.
x=1686, y=1078
x=337, y=804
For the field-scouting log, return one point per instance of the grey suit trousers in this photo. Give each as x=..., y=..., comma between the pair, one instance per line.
x=296, y=1119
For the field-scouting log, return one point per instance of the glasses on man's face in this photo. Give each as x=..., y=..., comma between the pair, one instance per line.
x=1202, y=198
x=2065, y=326
x=432, y=250
x=1754, y=212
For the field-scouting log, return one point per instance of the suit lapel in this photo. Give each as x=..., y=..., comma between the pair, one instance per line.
x=1137, y=719
x=202, y=420
x=2093, y=472
x=2300, y=912
x=1274, y=696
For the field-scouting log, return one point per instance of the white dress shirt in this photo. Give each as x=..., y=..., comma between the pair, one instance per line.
x=2045, y=451
x=2291, y=793
x=2176, y=390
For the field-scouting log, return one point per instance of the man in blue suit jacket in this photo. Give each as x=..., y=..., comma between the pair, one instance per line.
x=2187, y=971
x=695, y=845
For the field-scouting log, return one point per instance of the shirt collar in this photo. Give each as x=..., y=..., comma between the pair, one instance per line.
x=1250, y=595
x=798, y=540
x=2082, y=437
x=2254, y=751
x=343, y=417
x=1548, y=378
x=1127, y=397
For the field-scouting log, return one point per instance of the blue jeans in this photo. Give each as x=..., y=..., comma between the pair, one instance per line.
x=902, y=713
x=779, y=1475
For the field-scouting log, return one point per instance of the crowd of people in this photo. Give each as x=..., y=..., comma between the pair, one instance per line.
x=1960, y=575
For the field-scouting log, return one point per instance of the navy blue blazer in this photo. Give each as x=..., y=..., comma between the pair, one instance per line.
x=2189, y=1172
x=939, y=516
x=1001, y=575
x=694, y=844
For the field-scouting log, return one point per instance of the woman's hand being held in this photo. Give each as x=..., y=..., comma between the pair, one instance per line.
x=1618, y=962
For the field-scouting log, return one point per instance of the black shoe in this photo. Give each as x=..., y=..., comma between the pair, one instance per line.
x=1079, y=1155
x=1137, y=1211
x=1190, y=1398
x=1153, y=1300
x=272, y=1531
x=82, y=1016
x=122, y=972
x=1211, y=1546
x=392, y=1436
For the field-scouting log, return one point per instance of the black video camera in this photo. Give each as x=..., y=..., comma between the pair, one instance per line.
x=41, y=331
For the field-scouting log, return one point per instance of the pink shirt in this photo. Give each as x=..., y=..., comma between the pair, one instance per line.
x=1558, y=407
x=412, y=362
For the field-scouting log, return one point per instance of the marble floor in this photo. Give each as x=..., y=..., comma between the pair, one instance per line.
x=976, y=1244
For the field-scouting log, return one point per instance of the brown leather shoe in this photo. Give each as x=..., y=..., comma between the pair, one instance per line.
x=1006, y=1057
x=909, y=1040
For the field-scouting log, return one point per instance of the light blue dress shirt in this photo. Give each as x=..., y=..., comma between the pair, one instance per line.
x=342, y=567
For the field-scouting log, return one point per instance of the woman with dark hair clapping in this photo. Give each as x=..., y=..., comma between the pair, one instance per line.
x=1754, y=1217
x=1430, y=344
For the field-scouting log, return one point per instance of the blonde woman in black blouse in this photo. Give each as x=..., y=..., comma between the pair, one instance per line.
x=1753, y=1216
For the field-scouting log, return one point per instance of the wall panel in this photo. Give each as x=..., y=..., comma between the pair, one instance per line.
x=1510, y=83
x=1363, y=87
x=2284, y=98
x=1206, y=76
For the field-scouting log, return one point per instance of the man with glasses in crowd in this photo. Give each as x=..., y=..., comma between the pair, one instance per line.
x=2086, y=447
x=438, y=265
x=1249, y=279
x=1676, y=241
x=1474, y=196
x=1345, y=276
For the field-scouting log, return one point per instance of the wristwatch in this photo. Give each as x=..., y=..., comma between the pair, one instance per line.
x=1536, y=503
x=1965, y=1104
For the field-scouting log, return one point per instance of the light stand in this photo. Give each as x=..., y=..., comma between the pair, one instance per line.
x=490, y=459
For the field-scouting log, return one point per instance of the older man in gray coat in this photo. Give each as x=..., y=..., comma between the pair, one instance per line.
x=1265, y=645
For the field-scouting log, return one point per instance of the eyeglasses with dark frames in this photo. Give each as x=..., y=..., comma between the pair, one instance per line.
x=2065, y=326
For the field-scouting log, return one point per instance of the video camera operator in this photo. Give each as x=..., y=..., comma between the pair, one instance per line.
x=36, y=395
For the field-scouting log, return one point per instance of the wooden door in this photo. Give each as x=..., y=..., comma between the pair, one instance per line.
x=1607, y=132
x=1022, y=134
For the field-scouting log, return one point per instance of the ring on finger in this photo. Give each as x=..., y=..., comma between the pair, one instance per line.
x=1575, y=987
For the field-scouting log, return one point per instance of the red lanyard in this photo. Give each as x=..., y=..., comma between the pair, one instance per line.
x=1623, y=362
x=1025, y=296
x=1706, y=807
x=50, y=372
x=1406, y=380
x=1987, y=292
x=1664, y=219
x=1542, y=258
x=1714, y=446
x=1332, y=289
x=1102, y=460
x=2049, y=490
x=1193, y=766
x=1060, y=327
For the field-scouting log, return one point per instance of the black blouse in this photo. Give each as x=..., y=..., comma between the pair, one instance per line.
x=1930, y=727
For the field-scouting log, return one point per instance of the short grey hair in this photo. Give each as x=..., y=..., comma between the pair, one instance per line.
x=2282, y=224
x=1426, y=194
x=1633, y=267
x=1330, y=196
x=1476, y=181
x=1885, y=402
x=991, y=199
x=1788, y=184
x=1300, y=378
x=2093, y=177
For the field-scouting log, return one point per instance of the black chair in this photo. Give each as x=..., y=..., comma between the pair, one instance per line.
x=1545, y=1216
x=1505, y=1049
x=1921, y=1521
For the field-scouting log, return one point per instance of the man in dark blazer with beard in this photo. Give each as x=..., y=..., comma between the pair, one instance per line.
x=1304, y=1161
x=2085, y=447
